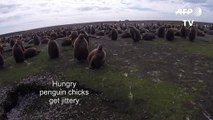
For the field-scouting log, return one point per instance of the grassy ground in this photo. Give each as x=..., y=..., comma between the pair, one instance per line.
x=151, y=100
x=14, y=72
x=201, y=46
x=161, y=100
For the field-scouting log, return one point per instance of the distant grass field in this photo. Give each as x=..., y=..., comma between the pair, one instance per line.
x=201, y=46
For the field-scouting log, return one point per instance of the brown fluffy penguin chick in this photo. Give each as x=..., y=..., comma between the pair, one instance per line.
x=53, y=49
x=81, y=48
x=30, y=52
x=161, y=32
x=148, y=36
x=12, y=42
x=92, y=30
x=126, y=34
x=192, y=34
x=135, y=34
x=183, y=32
x=170, y=35
x=86, y=36
x=18, y=53
x=66, y=42
x=114, y=35
x=73, y=36
x=96, y=58
x=53, y=35
x=36, y=40
x=45, y=40
x=1, y=61
x=1, y=49
x=19, y=42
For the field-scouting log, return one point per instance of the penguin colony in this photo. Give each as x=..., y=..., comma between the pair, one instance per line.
x=79, y=38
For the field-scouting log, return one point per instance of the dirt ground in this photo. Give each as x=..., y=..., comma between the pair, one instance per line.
x=160, y=62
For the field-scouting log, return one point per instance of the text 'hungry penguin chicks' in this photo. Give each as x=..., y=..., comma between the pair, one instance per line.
x=81, y=48
x=96, y=58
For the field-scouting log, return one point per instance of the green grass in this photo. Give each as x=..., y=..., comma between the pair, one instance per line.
x=162, y=100
x=14, y=72
x=199, y=46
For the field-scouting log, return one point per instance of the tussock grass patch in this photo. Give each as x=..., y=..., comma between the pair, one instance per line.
x=15, y=71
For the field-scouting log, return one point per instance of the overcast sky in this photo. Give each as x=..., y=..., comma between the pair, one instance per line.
x=16, y=15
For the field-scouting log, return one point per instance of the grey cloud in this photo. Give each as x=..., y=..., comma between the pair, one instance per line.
x=136, y=5
x=208, y=6
x=90, y=8
x=6, y=19
x=140, y=8
x=85, y=8
x=125, y=2
x=45, y=10
x=195, y=1
x=103, y=8
x=160, y=0
x=168, y=1
x=43, y=4
x=8, y=8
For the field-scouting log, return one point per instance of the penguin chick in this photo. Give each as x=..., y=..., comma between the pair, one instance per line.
x=96, y=57
x=81, y=48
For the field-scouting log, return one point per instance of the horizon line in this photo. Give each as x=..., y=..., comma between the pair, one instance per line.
x=70, y=24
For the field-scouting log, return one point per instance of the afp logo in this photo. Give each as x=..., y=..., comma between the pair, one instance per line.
x=197, y=11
